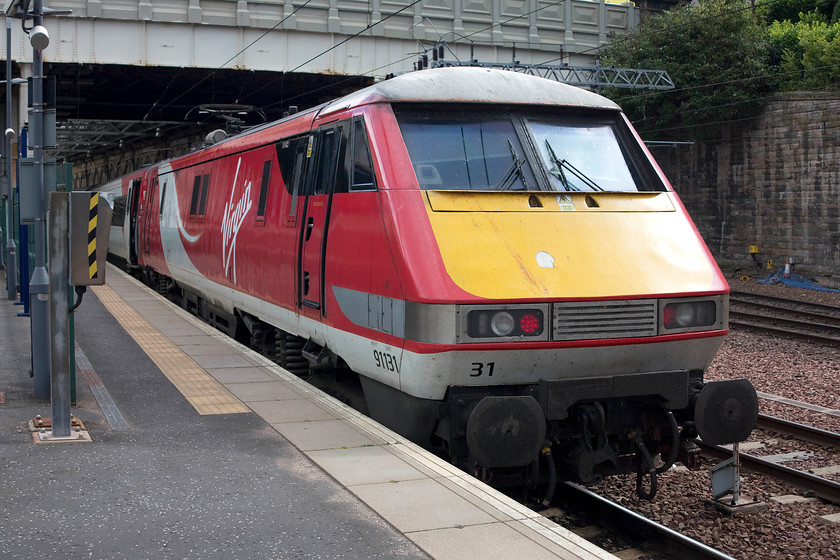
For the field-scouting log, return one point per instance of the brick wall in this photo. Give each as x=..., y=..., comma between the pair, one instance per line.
x=773, y=182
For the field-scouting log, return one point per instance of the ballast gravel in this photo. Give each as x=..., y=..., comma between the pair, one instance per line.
x=802, y=371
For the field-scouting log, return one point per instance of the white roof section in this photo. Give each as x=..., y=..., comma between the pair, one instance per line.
x=474, y=85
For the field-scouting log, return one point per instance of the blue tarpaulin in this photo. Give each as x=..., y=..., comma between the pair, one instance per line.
x=796, y=281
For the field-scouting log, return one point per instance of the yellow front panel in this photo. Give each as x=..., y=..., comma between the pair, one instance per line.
x=497, y=246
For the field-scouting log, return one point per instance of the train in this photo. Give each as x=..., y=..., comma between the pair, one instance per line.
x=490, y=263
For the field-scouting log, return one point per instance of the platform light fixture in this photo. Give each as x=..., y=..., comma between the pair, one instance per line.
x=39, y=38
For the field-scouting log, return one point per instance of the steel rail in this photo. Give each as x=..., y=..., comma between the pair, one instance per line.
x=736, y=321
x=800, y=431
x=667, y=540
x=812, y=321
x=823, y=488
x=786, y=320
x=742, y=296
x=830, y=321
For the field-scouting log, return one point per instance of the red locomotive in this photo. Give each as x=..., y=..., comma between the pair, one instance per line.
x=494, y=257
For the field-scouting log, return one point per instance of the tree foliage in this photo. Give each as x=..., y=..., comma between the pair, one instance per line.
x=791, y=10
x=807, y=52
x=716, y=54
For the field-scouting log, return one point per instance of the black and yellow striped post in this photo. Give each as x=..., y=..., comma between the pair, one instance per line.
x=91, y=238
x=90, y=225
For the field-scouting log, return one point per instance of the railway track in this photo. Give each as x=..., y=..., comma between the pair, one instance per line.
x=799, y=431
x=631, y=535
x=626, y=533
x=784, y=316
x=821, y=487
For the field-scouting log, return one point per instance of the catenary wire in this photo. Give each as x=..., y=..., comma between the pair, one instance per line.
x=211, y=74
x=322, y=53
x=727, y=82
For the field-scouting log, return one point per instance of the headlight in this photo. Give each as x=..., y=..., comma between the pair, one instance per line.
x=502, y=323
x=497, y=323
x=688, y=315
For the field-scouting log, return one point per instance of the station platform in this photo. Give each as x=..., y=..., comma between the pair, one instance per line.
x=201, y=448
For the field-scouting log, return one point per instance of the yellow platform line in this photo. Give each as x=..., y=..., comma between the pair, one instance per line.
x=204, y=393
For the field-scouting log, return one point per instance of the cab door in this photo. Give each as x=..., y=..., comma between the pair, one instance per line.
x=327, y=149
x=134, y=200
x=147, y=223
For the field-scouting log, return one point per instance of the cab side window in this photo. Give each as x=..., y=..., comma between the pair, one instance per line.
x=118, y=217
x=263, y=199
x=329, y=172
x=326, y=150
x=198, y=200
x=361, y=166
x=291, y=158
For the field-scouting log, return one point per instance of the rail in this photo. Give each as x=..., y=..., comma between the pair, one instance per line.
x=667, y=540
x=803, y=432
x=808, y=321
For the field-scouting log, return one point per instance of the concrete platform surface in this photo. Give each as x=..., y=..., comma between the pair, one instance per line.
x=201, y=448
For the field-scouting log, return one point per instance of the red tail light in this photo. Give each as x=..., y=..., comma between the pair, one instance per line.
x=530, y=324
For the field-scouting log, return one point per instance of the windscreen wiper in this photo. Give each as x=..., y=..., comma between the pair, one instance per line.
x=561, y=164
x=515, y=170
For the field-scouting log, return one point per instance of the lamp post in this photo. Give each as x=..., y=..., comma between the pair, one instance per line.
x=11, y=248
x=39, y=284
x=36, y=195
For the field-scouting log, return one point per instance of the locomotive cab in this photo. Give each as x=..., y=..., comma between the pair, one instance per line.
x=587, y=305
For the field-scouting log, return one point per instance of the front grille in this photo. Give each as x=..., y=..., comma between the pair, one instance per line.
x=589, y=320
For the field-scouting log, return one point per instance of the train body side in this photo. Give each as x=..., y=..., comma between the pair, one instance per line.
x=537, y=294
x=125, y=195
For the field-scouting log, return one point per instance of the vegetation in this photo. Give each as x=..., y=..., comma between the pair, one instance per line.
x=790, y=10
x=807, y=53
x=726, y=57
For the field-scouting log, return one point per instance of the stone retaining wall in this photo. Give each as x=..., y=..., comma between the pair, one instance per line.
x=773, y=182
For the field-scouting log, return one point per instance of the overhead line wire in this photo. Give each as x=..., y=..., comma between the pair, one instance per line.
x=211, y=74
x=322, y=53
x=638, y=36
x=714, y=123
x=735, y=81
x=333, y=84
x=393, y=61
x=494, y=24
x=707, y=108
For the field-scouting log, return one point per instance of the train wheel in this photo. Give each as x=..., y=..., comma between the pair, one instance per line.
x=259, y=341
x=162, y=284
x=288, y=353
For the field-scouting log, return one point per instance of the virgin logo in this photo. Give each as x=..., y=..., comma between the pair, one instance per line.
x=233, y=219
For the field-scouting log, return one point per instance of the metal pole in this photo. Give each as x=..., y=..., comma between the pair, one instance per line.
x=39, y=285
x=58, y=226
x=23, y=232
x=11, y=248
x=736, y=482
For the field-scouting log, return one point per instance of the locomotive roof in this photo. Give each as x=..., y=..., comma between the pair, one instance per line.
x=448, y=85
x=473, y=85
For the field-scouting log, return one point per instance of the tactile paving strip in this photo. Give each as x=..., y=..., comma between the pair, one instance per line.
x=204, y=393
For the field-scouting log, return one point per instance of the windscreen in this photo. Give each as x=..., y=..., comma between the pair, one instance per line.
x=467, y=154
x=582, y=157
x=472, y=150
